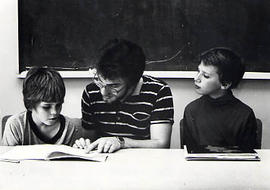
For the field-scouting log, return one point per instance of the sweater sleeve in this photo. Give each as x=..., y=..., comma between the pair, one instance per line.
x=247, y=136
x=189, y=135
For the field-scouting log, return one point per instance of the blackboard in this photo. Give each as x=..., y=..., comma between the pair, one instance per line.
x=66, y=34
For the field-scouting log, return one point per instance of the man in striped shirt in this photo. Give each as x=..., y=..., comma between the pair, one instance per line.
x=124, y=108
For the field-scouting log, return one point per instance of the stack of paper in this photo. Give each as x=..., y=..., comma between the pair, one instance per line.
x=208, y=152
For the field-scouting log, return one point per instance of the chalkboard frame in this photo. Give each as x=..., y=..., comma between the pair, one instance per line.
x=158, y=74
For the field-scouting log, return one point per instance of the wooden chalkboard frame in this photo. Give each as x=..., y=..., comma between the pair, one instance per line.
x=158, y=74
x=178, y=73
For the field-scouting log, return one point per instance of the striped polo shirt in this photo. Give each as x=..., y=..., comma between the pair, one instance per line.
x=153, y=104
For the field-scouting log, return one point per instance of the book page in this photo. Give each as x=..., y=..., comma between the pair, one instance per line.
x=41, y=152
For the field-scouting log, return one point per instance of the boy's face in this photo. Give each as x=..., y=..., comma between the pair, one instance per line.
x=207, y=81
x=46, y=113
x=111, y=90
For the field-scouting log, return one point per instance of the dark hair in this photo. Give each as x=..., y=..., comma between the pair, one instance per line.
x=229, y=65
x=121, y=59
x=42, y=84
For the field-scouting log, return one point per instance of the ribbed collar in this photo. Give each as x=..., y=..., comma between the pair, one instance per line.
x=228, y=98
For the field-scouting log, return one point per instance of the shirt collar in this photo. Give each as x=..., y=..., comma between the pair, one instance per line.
x=137, y=90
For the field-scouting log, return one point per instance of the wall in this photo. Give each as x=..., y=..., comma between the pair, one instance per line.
x=254, y=92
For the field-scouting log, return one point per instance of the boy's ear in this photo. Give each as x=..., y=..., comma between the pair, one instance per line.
x=226, y=85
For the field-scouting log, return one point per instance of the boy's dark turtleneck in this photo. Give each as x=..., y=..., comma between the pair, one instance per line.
x=226, y=99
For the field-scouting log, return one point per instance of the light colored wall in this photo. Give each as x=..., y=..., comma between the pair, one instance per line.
x=255, y=93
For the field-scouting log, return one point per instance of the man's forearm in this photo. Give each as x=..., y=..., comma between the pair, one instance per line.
x=151, y=143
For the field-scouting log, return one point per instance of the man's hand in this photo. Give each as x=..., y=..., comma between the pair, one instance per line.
x=105, y=144
x=82, y=143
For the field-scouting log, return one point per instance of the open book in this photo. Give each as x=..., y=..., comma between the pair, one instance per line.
x=208, y=152
x=49, y=152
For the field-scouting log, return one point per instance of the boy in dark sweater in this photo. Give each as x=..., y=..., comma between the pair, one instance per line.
x=218, y=118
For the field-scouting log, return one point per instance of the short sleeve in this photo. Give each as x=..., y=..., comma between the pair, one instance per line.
x=86, y=108
x=163, y=110
x=73, y=125
x=12, y=134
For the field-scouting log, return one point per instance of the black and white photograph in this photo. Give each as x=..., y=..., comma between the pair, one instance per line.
x=135, y=95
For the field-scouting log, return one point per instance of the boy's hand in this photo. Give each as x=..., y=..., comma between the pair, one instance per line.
x=105, y=144
x=82, y=143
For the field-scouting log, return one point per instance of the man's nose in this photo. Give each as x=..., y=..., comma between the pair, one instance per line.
x=103, y=91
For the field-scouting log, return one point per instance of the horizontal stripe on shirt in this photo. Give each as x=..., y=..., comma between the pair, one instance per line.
x=132, y=117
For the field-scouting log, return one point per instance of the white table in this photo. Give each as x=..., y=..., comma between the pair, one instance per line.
x=164, y=169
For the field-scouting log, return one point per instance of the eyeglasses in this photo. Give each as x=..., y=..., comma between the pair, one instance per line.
x=112, y=88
